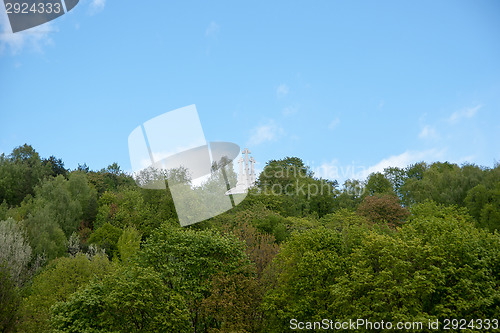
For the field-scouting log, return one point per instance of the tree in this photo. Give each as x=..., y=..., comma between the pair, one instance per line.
x=380, y=209
x=126, y=208
x=133, y=299
x=233, y=303
x=377, y=183
x=350, y=196
x=307, y=265
x=15, y=252
x=61, y=278
x=20, y=172
x=106, y=237
x=484, y=205
x=299, y=192
x=260, y=247
x=129, y=243
x=67, y=201
x=111, y=178
x=438, y=266
x=444, y=183
x=56, y=166
x=188, y=260
x=9, y=300
x=45, y=236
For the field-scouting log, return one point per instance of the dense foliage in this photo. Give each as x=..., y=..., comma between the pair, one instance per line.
x=90, y=251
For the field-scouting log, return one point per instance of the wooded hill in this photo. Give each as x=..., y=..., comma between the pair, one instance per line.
x=90, y=251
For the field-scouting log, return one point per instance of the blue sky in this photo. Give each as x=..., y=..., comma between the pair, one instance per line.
x=350, y=87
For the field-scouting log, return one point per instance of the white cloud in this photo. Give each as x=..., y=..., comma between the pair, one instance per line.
x=465, y=113
x=428, y=132
x=333, y=124
x=334, y=171
x=289, y=110
x=96, y=6
x=282, y=90
x=212, y=30
x=402, y=160
x=265, y=133
x=34, y=38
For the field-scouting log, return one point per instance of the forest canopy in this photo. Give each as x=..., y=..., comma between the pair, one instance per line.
x=90, y=251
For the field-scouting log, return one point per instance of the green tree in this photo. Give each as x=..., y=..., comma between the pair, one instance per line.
x=484, y=205
x=20, y=172
x=106, y=237
x=188, y=260
x=438, y=266
x=45, y=236
x=56, y=166
x=377, y=183
x=306, y=266
x=9, y=300
x=129, y=243
x=133, y=299
x=61, y=278
x=299, y=192
x=126, y=208
x=67, y=201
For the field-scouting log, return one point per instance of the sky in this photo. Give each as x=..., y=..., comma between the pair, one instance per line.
x=350, y=87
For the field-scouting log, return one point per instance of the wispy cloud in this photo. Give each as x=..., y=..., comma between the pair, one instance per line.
x=464, y=114
x=282, y=90
x=212, y=30
x=335, y=171
x=290, y=110
x=402, y=160
x=333, y=124
x=96, y=6
x=265, y=133
x=428, y=132
x=34, y=39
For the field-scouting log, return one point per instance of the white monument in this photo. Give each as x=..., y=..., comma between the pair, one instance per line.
x=246, y=176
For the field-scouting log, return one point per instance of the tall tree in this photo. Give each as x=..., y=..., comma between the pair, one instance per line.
x=20, y=172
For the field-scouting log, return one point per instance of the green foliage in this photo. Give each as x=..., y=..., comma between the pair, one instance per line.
x=296, y=247
x=111, y=178
x=307, y=265
x=260, y=247
x=342, y=219
x=484, y=205
x=444, y=183
x=9, y=300
x=437, y=266
x=289, y=187
x=378, y=184
x=187, y=260
x=45, y=236
x=274, y=225
x=20, y=172
x=233, y=303
x=350, y=196
x=126, y=208
x=106, y=237
x=61, y=278
x=56, y=166
x=129, y=243
x=133, y=299
x=57, y=201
